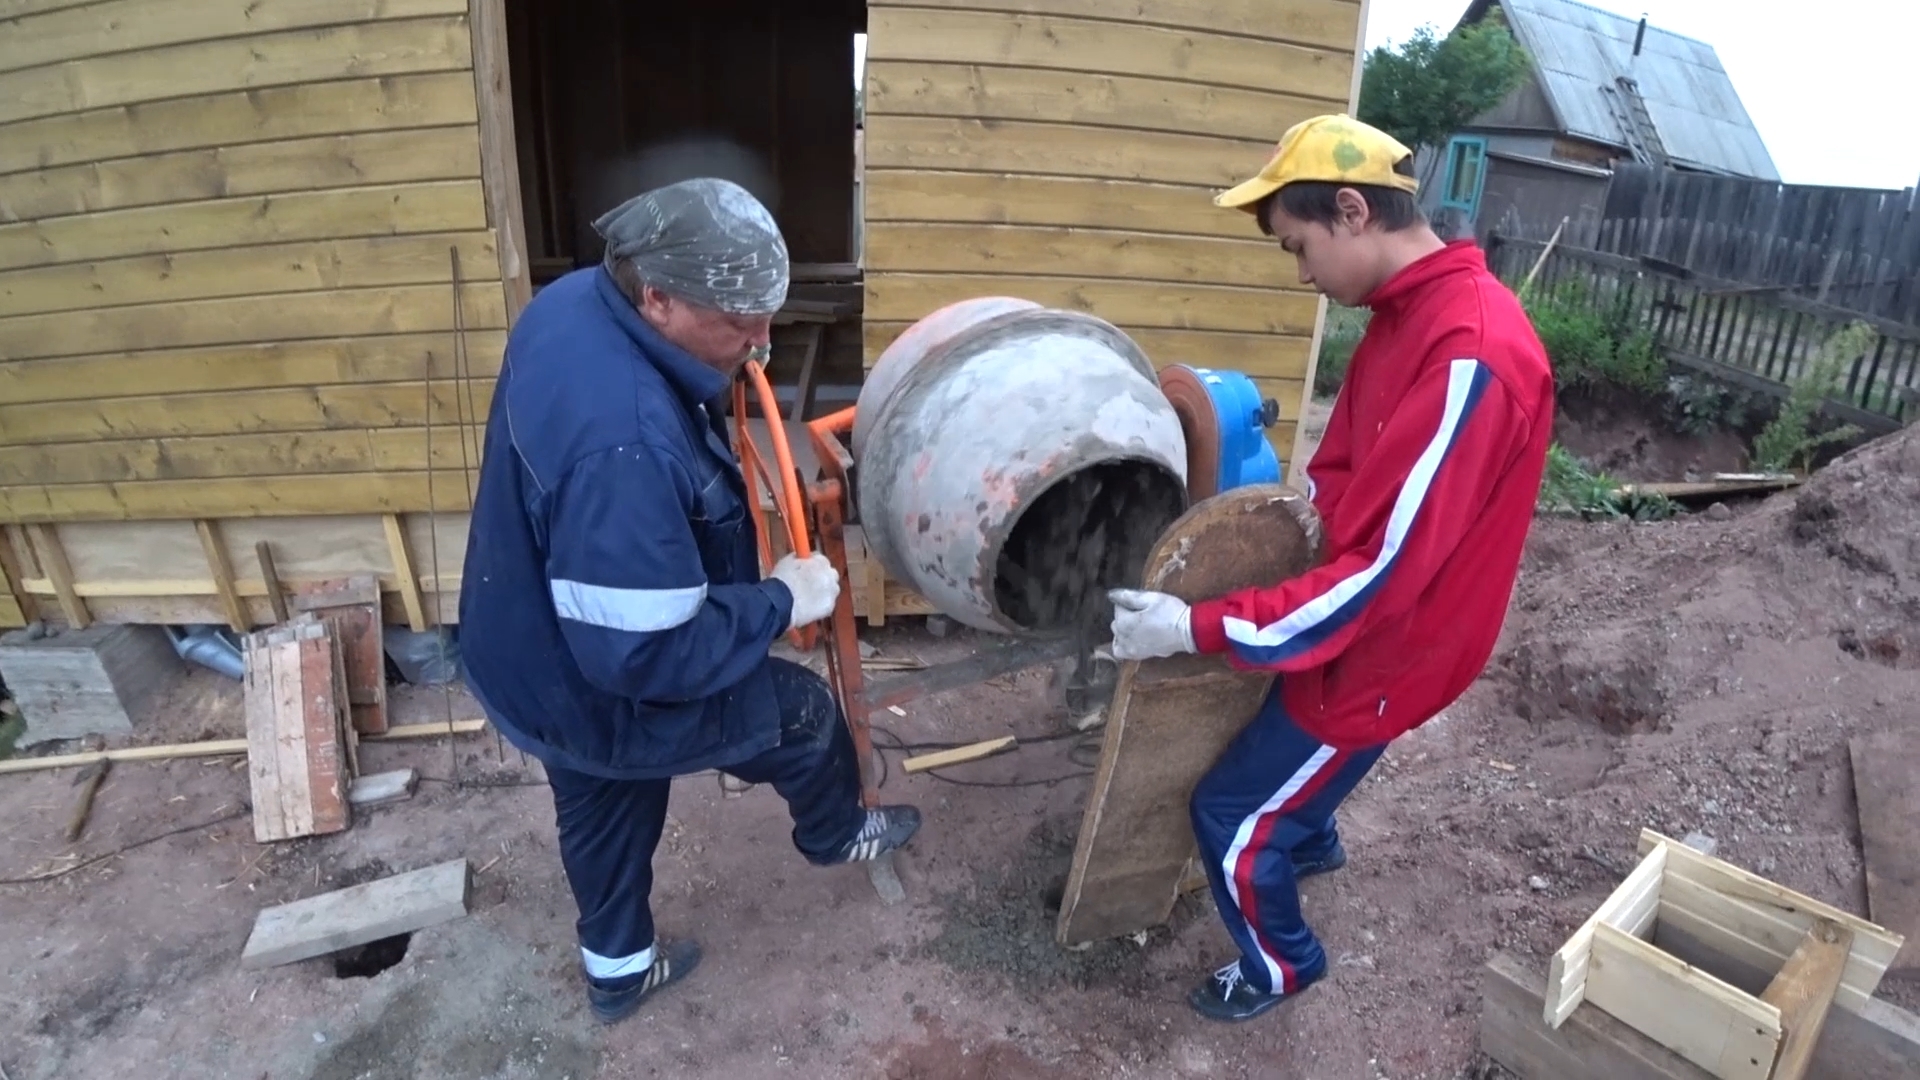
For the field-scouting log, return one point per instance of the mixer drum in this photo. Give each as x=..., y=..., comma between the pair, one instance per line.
x=1014, y=462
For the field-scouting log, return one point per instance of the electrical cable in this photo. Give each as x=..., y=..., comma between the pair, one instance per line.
x=1082, y=741
x=97, y=859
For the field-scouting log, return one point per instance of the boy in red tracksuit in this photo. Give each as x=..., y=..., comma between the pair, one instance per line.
x=1425, y=481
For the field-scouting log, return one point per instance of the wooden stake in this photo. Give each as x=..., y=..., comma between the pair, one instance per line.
x=276, y=594
x=403, y=570
x=959, y=755
x=77, y=823
x=53, y=559
x=1803, y=991
x=222, y=568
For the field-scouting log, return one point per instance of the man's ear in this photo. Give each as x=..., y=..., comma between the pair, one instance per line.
x=1354, y=212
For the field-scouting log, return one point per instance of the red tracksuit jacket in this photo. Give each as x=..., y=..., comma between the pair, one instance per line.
x=1426, y=482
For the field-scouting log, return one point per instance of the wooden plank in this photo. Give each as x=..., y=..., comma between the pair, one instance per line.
x=1803, y=991
x=493, y=88
x=391, y=309
x=209, y=748
x=1567, y=974
x=1878, y=1041
x=223, y=456
x=239, y=497
x=46, y=543
x=1123, y=102
x=1331, y=24
x=1589, y=1045
x=221, y=564
x=317, y=925
x=921, y=143
x=1731, y=1034
x=318, y=362
x=236, y=118
x=317, y=408
x=1081, y=202
x=302, y=266
x=206, y=67
x=315, y=163
x=352, y=606
x=959, y=755
x=330, y=751
x=270, y=579
x=1170, y=719
x=377, y=210
x=1276, y=361
x=124, y=26
x=1886, y=787
x=1124, y=48
x=1042, y=252
x=403, y=570
x=901, y=297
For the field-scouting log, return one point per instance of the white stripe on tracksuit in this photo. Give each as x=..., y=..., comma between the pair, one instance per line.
x=634, y=610
x=1244, y=836
x=1461, y=377
x=614, y=967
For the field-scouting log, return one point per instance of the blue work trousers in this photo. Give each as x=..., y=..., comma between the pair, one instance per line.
x=1267, y=803
x=610, y=828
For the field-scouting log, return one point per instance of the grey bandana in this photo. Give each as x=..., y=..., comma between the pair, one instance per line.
x=707, y=241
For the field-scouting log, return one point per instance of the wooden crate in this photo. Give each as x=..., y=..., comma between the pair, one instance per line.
x=1612, y=963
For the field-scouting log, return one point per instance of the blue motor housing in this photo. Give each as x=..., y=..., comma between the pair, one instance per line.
x=1238, y=421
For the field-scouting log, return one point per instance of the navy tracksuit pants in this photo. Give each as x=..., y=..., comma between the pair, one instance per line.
x=610, y=828
x=1265, y=805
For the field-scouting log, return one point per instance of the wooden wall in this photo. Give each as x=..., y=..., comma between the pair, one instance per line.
x=1067, y=151
x=226, y=288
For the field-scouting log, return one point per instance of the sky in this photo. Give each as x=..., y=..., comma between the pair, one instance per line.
x=1831, y=87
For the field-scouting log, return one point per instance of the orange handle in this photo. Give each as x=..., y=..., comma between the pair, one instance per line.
x=783, y=481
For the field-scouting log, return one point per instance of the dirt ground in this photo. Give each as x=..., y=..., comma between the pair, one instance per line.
x=1699, y=674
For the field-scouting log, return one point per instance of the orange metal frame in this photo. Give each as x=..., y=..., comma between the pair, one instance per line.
x=824, y=504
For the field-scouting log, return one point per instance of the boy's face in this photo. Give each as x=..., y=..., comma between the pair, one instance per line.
x=1341, y=260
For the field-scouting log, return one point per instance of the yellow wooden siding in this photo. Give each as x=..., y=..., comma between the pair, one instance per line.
x=226, y=258
x=1067, y=151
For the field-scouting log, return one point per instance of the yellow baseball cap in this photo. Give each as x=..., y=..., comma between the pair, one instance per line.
x=1334, y=148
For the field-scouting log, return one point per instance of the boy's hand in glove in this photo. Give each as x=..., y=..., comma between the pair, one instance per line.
x=814, y=583
x=1149, y=624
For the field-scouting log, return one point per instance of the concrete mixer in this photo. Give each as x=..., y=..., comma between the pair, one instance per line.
x=1011, y=462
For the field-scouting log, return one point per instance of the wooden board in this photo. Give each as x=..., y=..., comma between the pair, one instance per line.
x=352, y=608
x=1064, y=201
x=297, y=734
x=344, y=918
x=1331, y=24
x=1121, y=301
x=1170, y=719
x=1588, y=1045
x=967, y=144
x=1886, y=788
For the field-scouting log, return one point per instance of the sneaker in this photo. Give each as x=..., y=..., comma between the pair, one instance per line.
x=616, y=999
x=1334, y=859
x=886, y=828
x=1226, y=996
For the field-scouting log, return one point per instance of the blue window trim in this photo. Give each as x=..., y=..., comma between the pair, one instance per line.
x=1472, y=205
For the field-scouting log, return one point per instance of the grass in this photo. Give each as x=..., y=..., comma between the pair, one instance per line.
x=1592, y=340
x=1789, y=439
x=1570, y=487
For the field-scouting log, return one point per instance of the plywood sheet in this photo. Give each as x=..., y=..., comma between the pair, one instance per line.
x=1886, y=787
x=1171, y=718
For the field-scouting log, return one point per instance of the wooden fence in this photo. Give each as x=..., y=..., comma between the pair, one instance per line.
x=1760, y=339
x=1852, y=248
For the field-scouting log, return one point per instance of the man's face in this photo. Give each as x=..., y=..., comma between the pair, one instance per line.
x=720, y=340
x=1341, y=260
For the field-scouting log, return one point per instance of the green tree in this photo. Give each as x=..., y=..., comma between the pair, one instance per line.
x=1430, y=87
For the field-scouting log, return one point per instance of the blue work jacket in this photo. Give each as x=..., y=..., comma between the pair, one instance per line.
x=612, y=616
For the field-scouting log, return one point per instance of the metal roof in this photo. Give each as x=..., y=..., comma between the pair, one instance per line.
x=1577, y=50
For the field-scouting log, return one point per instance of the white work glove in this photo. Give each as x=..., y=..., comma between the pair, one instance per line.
x=814, y=583
x=1149, y=624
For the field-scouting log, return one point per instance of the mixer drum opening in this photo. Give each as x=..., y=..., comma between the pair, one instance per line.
x=1089, y=532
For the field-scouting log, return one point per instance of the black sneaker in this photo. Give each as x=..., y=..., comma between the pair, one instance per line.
x=1334, y=859
x=1226, y=996
x=886, y=828
x=616, y=999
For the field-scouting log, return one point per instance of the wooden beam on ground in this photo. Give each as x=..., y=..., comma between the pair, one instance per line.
x=338, y=920
x=1588, y=1045
x=218, y=748
x=959, y=755
x=1171, y=719
x=1886, y=788
x=1803, y=992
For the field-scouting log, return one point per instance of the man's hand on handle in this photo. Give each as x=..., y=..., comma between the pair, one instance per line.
x=1149, y=624
x=814, y=583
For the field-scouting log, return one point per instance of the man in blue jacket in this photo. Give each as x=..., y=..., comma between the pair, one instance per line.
x=613, y=620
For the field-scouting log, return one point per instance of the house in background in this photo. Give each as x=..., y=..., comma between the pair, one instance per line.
x=1603, y=88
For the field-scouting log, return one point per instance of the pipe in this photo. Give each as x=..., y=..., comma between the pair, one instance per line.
x=206, y=646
